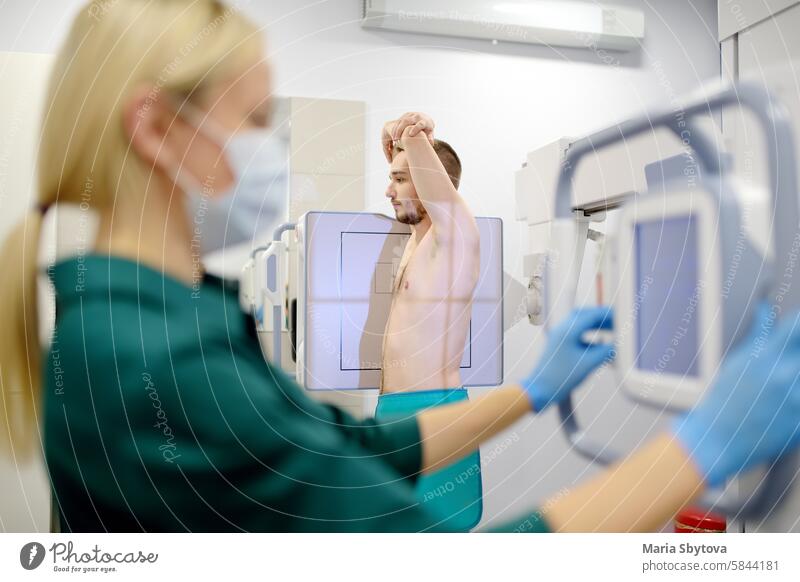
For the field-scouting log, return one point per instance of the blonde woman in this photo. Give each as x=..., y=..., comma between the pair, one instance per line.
x=158, y=411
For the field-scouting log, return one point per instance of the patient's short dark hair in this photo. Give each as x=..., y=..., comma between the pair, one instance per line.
x=448, y=157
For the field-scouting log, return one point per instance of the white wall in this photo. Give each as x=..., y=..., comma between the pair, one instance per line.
x=493, y=103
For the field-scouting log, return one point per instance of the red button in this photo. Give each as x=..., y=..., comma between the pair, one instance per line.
x=697, y=519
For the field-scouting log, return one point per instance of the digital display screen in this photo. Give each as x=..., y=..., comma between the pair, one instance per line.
x=667, y=296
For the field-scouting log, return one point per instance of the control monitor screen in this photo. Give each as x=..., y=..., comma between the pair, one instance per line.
x=667, y=296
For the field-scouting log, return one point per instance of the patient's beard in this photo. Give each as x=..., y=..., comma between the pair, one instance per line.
x=411, y=216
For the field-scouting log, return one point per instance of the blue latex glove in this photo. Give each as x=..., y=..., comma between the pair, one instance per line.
x=751, y=413
x=568, y=360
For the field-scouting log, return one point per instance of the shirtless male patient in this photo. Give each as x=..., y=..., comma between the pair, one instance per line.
x=432, y=297
x=431, y=301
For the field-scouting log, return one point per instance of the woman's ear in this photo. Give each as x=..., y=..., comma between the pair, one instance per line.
x=148, y=119
x=165, y=140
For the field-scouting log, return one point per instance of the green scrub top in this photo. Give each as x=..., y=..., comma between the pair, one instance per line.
x=161, y=414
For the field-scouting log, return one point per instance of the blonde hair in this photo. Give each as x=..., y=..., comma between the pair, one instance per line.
x=113, y=48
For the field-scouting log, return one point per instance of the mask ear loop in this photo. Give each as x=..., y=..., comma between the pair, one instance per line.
x=190, y=188
x=202, y=122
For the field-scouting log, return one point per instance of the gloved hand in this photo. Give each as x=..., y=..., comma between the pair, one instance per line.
x=751, y=413
x=568, y=360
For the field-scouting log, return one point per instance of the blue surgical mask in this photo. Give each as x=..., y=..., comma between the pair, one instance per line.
x=255, y=202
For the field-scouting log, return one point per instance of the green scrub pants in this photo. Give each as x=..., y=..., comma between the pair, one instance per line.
x=454, y=492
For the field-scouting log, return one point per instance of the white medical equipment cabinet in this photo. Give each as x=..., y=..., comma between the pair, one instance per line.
x=685, y=268
x=331, y=307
